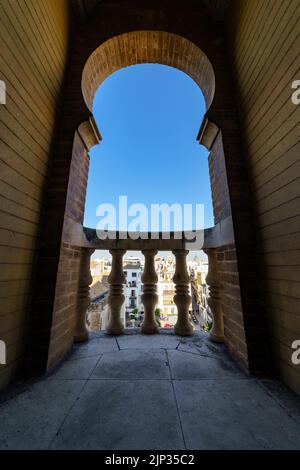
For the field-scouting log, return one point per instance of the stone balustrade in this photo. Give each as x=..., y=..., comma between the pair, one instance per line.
x=182, y=297
x=116, y=297
x=89, y=241
x=149, y=296
x=214, y=300
x=83, y=296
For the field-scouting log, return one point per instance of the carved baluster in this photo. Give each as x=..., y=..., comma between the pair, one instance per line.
x=212, y=279
x=182, y=298
x=149, y=296
x=83, y=298
x=116, y=297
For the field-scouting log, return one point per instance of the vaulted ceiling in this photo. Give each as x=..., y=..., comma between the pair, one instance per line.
x=82, y=8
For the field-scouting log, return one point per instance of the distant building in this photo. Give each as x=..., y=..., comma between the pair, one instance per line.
x=200, y=312
x=165, y=268
x=132, y=310
x=98, y=312
x=100, y=267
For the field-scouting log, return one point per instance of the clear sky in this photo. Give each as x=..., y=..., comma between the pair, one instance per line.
x=149, y=116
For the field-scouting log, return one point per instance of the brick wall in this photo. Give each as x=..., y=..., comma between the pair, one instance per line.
x=194, y=23
x=231, y=303
x=264, y=43
x=218, y=181
x=68, y=188
x=64, y=310
x=34, y=42
x=245, y=326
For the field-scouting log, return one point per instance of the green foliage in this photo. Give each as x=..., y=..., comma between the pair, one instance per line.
x=208, y=326
x=158, y=313
x=131, y=316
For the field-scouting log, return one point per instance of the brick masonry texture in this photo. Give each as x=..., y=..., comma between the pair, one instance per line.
x=252, y=163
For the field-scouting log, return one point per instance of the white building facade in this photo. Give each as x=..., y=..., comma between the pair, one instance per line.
x=132, y=309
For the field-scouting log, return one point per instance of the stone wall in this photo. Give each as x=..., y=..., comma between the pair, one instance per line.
x=267, y=136
x=34, y=42
x=264, y=43
x=68, y=190
x=189, y=21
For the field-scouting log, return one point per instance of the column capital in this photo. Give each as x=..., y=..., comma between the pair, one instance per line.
x=89, y=133
x=150, y=252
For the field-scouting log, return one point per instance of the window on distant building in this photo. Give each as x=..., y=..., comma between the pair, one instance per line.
x=133, y=274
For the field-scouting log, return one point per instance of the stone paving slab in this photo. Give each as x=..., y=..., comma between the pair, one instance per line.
x=80, y=368
x=234, y=414
x=156, y=392
x=133, y=364
x=94, y=347
x=31, y=419
x=285, y=397
x=201, y=345
x=159, y=341
x=186, y=366
x=122, y=415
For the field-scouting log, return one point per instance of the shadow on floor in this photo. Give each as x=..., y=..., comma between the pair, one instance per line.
x=149, y=392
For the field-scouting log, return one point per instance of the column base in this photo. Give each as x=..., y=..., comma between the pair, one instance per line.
x=188, y=331
x=114, y=331
x=149, y=330
x=216, y=338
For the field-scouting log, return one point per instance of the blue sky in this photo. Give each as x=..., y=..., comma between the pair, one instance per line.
x=149, y=116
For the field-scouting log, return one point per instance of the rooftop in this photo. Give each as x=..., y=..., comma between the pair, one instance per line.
x=135, y=267
x=98, y=289
x=149, y=392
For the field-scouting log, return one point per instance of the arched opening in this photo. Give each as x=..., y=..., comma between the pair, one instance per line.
x=153, y=47
x=121, y=391
x=147, y=47
x=217, y=133
x=149, y=115
x=144, y=47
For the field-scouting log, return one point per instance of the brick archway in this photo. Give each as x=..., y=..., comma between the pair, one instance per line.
x=193, y=33
x=138, y=47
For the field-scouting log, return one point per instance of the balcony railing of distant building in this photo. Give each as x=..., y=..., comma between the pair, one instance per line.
x=214, y=237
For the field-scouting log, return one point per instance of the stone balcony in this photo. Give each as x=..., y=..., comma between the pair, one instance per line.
x=122, y=389
x=149, y=392
x=118, y=243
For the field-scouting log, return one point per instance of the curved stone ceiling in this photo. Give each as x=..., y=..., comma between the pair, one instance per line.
x=154, y=47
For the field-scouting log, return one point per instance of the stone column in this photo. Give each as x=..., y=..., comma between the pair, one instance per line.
x=182, y=298
x=83, y=297
x=212, y=279
x=116, y=297
x=149, y=296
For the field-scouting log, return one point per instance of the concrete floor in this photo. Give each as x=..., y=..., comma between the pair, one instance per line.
x=149, y=392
